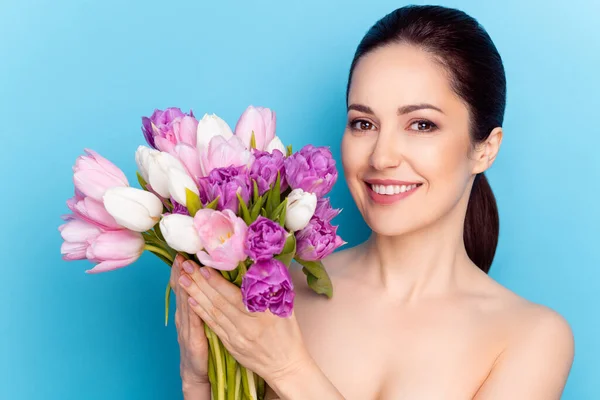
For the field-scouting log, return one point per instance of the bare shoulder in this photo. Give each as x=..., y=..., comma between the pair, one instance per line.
x=526, y=318
x=538, y=349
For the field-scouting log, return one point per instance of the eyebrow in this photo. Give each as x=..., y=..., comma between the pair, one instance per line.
x=401, y=111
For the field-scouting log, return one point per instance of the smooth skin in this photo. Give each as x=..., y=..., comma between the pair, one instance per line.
x=412, y=317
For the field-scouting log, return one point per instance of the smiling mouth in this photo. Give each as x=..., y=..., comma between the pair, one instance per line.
x=391, y=190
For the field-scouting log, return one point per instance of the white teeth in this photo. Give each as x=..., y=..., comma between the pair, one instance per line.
x=392, y=189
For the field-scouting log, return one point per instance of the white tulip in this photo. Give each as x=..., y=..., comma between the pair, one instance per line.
x=210, y=126
x=178, y=181
x=159, y=165
x=301, y=207
x=142, y=159
x=133, y=208
x=180, y=233
x=276, y=144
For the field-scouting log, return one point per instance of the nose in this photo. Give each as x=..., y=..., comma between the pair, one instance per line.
x=386, y=153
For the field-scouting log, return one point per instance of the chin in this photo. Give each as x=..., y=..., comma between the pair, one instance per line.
x=390, y=226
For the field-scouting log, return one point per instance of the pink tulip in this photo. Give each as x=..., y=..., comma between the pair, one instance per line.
x=109, y=249
x=222, y=153
x=77, y=235
x=93, y=174
x=190, y=158
x=222, y=236
x=260, y=120
x=115, y=249
x=182, y=130
x=92, y=211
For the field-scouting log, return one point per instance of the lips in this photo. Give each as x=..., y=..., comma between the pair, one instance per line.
x=387, y=191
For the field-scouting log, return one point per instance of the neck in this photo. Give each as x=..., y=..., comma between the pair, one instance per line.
x=429, y=262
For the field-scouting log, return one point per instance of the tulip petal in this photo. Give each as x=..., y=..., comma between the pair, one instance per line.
x=111, y=265
x=186, y=131
x=108, y=167
x=190, y=159
x=114, y=245
x=79, y=231
x=133, y=208
x=73, y=251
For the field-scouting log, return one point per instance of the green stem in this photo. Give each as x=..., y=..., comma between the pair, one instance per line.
x=238, y=382
x=248, y=384
x=220, y=373
x=231, y=367
x=159, y=250
x=260, y=389
x=167, y=297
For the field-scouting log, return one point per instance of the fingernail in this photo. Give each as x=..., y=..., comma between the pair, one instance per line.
x=192, y=301
x=188, y=267
x=205, y=272
x=185, y=281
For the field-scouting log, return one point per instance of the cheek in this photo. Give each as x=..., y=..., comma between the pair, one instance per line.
x=355, y=155
x=438, y=162
x=445, y=167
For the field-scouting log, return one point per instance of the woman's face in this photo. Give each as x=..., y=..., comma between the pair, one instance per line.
x=406, y=150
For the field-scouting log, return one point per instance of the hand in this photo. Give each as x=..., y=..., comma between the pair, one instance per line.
x=268, y=345
x=190, y=335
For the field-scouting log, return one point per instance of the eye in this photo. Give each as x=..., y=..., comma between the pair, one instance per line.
x=423, y=126
x=362, y=125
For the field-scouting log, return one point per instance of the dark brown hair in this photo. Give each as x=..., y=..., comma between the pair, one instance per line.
x=461, y=45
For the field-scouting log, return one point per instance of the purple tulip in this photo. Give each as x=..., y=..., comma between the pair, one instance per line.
x=264, y=170
x=265, y=239
x=324, y=210
x=225, y=183
x=268, y=285
x=312, y=169
x=179, y=208
x=165, y=129
x=317, y=240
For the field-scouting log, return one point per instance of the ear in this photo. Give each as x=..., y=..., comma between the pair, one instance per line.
x=486, y=152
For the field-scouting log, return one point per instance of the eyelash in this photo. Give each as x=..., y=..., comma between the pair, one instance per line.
x=432, y=127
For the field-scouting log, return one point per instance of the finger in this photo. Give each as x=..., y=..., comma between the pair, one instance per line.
x=207, y=278
x=207, y=319
x=181, y=299
x=196, y=325
x=211, y=307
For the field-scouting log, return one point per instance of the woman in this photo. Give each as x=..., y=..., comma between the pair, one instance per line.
x=415, y=315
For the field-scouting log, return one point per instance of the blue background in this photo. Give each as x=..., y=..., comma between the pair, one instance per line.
x=79, y=73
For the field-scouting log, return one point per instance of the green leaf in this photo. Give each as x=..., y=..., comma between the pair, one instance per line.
x=255, y=191
x=274, y=197
x=320, y=286
x=317, y=277
x=264, y=213
x=283, y=213
x=158, y=233
x=256, y=208
x=277, y=212
x=289, y=250
x=192, y=202
x=141, y=181
x=253, y=141
x=289, y=151
x=243, y=209
x=241, y=271
x=213, y=204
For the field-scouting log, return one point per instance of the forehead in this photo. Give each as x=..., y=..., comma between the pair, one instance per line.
x=399, y=74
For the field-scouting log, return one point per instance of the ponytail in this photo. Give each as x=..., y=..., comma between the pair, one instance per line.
x=482, y=224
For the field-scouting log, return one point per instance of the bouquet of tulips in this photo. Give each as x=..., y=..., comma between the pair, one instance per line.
x=241, y=203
